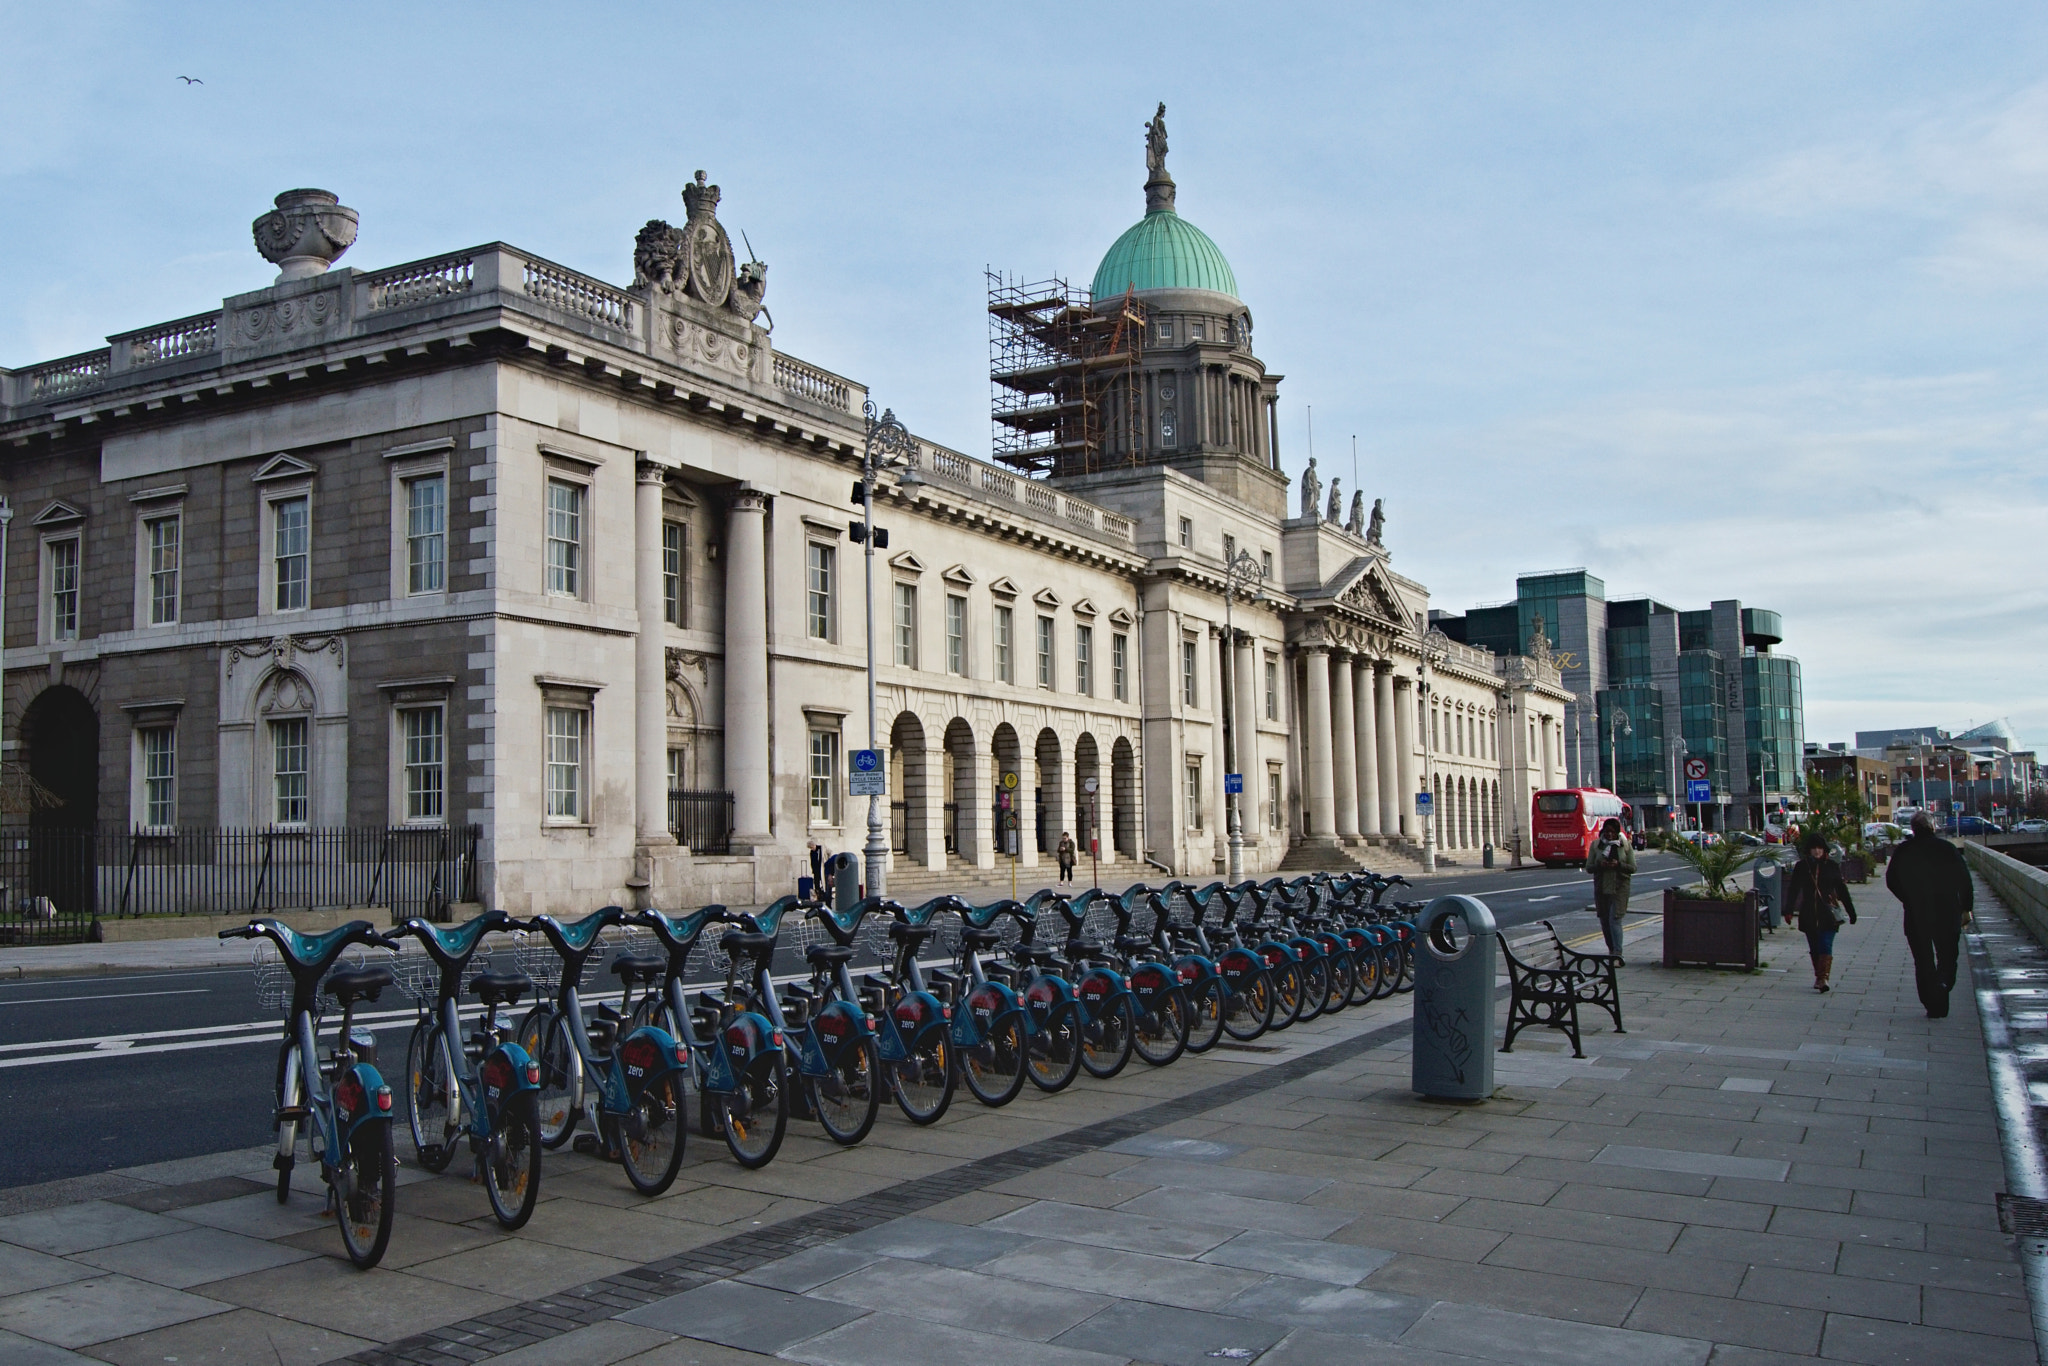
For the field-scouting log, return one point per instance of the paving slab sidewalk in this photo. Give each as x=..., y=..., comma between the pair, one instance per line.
x=1753, y=1173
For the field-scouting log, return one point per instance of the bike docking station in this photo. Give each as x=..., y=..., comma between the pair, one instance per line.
x=1454, y=1001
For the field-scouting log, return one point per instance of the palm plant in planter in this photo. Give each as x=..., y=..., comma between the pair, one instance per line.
x=1715, y=863
x=1711, y=921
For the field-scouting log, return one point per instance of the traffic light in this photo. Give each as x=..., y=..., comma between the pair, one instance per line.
x=860, y=492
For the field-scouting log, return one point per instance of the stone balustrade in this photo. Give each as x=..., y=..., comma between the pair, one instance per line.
x=579, y=294
x=420, y=282
x=822, y=387
x=193, y=336
x=999, y=485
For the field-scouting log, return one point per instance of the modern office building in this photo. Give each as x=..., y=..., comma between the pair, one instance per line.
x=1654, y=686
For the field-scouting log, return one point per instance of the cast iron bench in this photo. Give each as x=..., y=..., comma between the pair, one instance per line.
x=1597, y=984
x=1547, y=998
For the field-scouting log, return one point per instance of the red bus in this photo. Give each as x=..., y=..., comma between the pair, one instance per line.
x=1566, y=821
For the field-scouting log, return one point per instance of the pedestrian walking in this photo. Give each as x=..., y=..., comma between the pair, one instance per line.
x=1818, y=898
x=817, y=854
x=1931, y=880
x=1065, y=854
x=1612, y=862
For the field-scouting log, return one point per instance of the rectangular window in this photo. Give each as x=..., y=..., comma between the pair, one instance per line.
x=818, y=590
x=568, y=730
x=1084, y=660
x=1194, y=794
x=824, y=777
x=426, y=534
x=1120, y=665
x=906, y=626
x=677, y=760
x=64, y=589
x=1229, y=549
x=672, y=589
x=289, y=771
x=565, y=538
x=421, y=730
x=1272, y=688
x=159, y=777
x=290, y=546
x=1188, y=656
x=1045, y=652
x=1276, y=810
x=1266, y=564
x=1187, y=533
x=956, y=634
x=1006, y=668
x=164, y=558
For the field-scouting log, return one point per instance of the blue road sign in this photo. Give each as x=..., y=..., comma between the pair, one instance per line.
x=866, y=775
x=1699, y=789
x=867, y=760
x=1233, y=784
x=1423, y=803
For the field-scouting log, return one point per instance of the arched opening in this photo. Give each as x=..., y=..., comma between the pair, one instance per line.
x=1006, y=776
x=910, y=829
x=1087, y=805
x=1051, y=806
x=961, y=762
x=1123, y=790
x=61, y=733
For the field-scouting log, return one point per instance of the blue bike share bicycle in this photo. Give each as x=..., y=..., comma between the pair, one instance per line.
x=342, y=1100
x=482, y=1087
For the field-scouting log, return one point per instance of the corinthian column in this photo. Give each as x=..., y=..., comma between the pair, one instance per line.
x=1386, y=734
x=1322, y=800
x=746, y=665
x=650, y=683
x=1343, y=747
x=1404, y=754
x=1363, y=722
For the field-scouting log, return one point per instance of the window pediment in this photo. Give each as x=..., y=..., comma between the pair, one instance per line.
x=1046, y=598
x=906, y=563
x=284, y=467
x=58, y=513
x=959, y=574
x=1084, y=608
x=1003, y=588
x=1121, y=618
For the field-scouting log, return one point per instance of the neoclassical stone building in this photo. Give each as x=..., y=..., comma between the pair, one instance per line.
x=480, y=540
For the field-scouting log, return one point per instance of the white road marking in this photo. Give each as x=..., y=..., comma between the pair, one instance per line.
x=1535, y=899
x=107, y=996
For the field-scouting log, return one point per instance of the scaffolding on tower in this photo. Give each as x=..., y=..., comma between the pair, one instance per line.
x=1063, y=372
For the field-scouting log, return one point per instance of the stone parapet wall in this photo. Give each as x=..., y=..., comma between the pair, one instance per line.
x=2022, y=888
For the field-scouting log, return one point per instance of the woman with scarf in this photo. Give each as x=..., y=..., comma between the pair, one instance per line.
x=1818, y=897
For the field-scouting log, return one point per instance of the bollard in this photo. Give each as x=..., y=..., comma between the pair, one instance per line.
x=1454, y=1000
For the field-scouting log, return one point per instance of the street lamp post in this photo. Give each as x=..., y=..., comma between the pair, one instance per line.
x=1620, y=718
x=1241, y=567
x=887, y=440
x=1678, y=776
x=1436, y=646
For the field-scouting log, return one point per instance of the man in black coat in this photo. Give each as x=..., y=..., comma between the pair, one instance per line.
x=1931, y=880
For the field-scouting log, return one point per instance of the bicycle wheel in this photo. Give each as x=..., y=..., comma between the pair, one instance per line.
x=924, y=1081
x=428, y=1088
x=364, y=1213
x=1287, y=992
x=994, y=1068
x=511, y=1161
x=1341, y=979
x=1106, y=1039
x=1248, y=1010
x=545, y=1037
x=1205, y=1014
x=1365, y=974
x=1053, y=1050
x=754, y=1116
x=848, y=1099
x=1160, y=1035
x=651, y=1138
x=1315, y=986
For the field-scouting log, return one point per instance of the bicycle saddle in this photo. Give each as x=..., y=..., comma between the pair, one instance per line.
x=358, y=984
x=736, y=942
x=980, y=939
x=500, y=988
x=1130, y=943
x=830, y=953
x=631, y=968
x=457, y=942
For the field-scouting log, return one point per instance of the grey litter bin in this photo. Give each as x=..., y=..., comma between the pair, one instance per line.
x=844, y=872
x=1454, y=967
x=1769, y=881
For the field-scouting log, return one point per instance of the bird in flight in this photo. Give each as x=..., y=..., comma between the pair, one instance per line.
x=191, y=80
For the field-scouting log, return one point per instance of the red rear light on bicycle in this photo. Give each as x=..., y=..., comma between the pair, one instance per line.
x=533, y=1074
x=777, y=1038
x=384, y=1099
x=682, y=1056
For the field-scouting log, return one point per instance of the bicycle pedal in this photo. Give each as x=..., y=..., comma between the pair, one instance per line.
x=585, y=1144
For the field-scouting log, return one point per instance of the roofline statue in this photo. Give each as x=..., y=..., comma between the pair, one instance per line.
x=1159, y=188
x=1311, y=491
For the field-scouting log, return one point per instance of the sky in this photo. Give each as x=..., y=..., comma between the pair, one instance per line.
x=1715, y=300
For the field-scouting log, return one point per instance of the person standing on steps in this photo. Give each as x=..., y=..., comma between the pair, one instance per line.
x=1818, y=897
x=1612, y=863
x=1065, y=854
x=1931, y=880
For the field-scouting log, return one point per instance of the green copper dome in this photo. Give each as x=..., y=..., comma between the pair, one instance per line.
x=1162, y=250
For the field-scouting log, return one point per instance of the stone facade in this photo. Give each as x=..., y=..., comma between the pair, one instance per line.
x=480, y=540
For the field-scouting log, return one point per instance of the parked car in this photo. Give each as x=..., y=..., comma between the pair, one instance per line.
x=1882, y=832
x=1748, y=839
x=1976, y=825
x=2033, y=825
x=1702, y=838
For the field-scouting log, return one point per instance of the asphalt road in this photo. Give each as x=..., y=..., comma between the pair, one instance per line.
x=99, y=1072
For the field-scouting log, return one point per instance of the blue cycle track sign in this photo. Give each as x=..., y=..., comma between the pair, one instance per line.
x=1233, y=784
x=1699, y=789
x=1423, y=802
x=867, y=775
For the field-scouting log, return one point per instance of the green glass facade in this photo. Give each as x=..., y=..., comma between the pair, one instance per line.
x=1638, y=751
x=1775, y=712
x=1498, y=629
x=1703, y=715
x=1543, y=592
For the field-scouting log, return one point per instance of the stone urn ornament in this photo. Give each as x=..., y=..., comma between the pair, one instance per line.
x=305, y=234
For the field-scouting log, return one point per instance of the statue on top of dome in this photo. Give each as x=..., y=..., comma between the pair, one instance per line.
x=1158, y=184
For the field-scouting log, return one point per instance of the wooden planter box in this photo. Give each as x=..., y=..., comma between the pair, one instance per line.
x=1855, y=868
x=1715, y=933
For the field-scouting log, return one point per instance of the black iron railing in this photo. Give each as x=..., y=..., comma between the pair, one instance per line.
x=55, y=882
x=702, y=820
